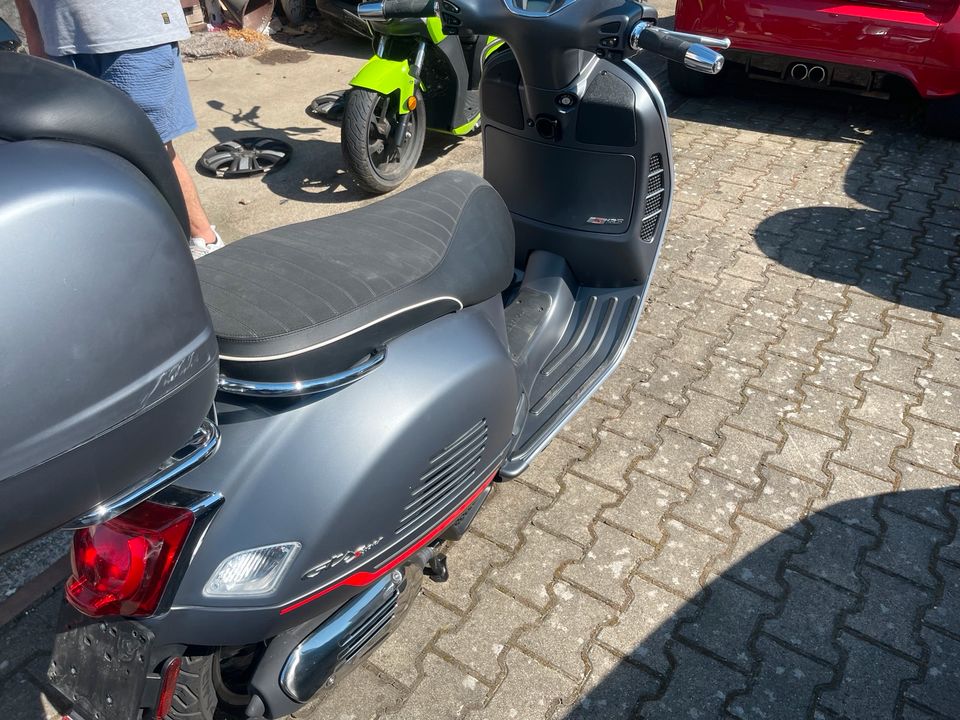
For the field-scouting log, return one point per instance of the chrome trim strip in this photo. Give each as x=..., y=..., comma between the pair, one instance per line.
x=201, y=447
x=252, y=388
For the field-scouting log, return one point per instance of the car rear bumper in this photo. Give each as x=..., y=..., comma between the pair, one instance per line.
x=929, y=82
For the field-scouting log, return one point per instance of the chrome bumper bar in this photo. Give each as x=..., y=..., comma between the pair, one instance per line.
x=253, y=388
x=202, y=446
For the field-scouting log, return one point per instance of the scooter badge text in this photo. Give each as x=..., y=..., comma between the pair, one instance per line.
x=344, y=558
x=604, y=221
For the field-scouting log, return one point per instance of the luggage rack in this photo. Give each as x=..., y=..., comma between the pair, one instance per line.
x=202, y=446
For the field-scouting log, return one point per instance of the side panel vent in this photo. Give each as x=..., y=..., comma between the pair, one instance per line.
x=450, y=473
x=653, y=205
x=369, y=631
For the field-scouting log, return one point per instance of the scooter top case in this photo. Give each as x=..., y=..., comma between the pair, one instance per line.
x=108, y=359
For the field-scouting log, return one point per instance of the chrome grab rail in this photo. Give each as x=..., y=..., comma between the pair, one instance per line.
x=202, y=445
x=253, y=388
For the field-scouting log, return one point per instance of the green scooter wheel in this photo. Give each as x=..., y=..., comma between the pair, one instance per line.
x=368, y=139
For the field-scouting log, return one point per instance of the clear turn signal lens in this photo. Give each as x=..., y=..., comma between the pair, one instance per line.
x=251, y=573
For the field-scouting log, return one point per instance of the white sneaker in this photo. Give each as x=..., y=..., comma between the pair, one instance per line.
x=200, y=247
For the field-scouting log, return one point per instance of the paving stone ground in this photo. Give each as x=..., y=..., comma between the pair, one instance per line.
x=757, y=516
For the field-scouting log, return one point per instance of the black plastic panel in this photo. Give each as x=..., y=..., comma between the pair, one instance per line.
x=574, y=186
x=607, y=115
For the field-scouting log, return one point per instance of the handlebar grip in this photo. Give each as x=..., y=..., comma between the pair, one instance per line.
x=662, y=42
x=396, y=9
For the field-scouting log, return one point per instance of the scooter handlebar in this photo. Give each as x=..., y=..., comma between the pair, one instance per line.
x=396, y=9
x=679, y=47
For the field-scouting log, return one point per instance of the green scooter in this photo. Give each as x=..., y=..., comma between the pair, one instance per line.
x=419, y=79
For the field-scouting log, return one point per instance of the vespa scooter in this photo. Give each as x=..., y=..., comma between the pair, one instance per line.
x=344, y=390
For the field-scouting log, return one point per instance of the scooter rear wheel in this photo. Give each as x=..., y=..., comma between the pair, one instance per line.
x=204, y=690
x=368, y=140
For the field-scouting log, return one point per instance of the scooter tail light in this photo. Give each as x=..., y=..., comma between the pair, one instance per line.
x=168, y=686
x=122, y=566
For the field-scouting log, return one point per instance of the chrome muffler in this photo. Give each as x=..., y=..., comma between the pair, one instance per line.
x=817, y=74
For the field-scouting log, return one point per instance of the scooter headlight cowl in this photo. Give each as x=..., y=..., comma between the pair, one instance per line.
x=251, y=573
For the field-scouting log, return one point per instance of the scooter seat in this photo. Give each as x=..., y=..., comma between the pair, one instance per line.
x=307, y=300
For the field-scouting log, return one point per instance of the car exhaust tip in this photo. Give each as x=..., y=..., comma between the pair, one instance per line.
x=817, y=74
x=799, y=72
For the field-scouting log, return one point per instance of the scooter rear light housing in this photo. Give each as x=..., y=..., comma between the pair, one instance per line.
x=122, y=566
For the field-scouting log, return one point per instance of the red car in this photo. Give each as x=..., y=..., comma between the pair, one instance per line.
x=854, y=45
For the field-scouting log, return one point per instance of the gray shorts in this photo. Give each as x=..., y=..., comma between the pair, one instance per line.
x=153, y=77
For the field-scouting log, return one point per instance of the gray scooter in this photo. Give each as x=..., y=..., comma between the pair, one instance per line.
x=344, y=391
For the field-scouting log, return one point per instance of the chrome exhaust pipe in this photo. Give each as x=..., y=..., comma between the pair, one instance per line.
x=817, y=74
x=799, y=72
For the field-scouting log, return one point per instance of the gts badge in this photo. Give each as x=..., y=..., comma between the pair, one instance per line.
x=604, y=221
x=343, y=558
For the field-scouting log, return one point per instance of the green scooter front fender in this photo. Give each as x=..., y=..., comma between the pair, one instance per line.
x=387, y=77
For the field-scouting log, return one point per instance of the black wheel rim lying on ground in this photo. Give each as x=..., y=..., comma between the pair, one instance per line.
x=244, y=156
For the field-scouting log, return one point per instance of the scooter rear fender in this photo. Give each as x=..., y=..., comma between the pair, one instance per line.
x=336, y=474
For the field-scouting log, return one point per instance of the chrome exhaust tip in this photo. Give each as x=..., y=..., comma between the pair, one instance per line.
x=817, y=74
x=799, y=72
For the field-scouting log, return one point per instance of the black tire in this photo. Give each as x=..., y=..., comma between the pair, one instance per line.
x=295, y=11
x=214, y=686
x=195, y=697
x=943, y=117
x=372, y=158
x=690, y=82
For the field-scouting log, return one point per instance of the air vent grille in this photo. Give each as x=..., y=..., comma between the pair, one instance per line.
x=452, y=471
x=368, y=631
x=653, y=204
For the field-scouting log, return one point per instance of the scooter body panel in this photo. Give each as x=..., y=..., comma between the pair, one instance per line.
x=339, y=473
x=602, y=163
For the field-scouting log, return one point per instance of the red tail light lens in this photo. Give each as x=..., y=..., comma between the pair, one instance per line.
x=122, y=566
x=169, y=677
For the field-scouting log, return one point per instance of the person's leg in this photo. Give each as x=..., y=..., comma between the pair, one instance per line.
x=200, y=226
x=154, y=78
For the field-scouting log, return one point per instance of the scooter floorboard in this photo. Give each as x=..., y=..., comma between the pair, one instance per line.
x=597, y=335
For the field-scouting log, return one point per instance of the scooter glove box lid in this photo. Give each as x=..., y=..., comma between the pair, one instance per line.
x=108, y=359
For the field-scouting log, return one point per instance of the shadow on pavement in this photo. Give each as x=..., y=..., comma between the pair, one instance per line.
x=850, y=613
x=897, y=233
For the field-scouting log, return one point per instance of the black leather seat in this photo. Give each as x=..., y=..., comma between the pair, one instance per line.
x=40, y=99
x=307, y=300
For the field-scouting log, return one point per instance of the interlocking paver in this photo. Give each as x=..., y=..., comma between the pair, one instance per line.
x=854, y=341
x=783, y=501
x=530, y=690
x=575, y=507
x=906, y=548
x=870, y=682
x=668, y=381
x=945, y=613
x=939, y=687
x=697, y=689
x=884, y=407
x=561, y=637
x=640, y=423
x=472, y=556
x=822, y=410
x=762, y=413
x=444, y=692
x=833, y=552
x=362, y=695
x=643, y=507
x=869, y=449
x=642, y=630
x=933, y=446
x=891, y=611
x=781, y=376
x=607, y=564
x=702, y=416
x=711, y=504
x=941, y=403
x=920, y=495
x=740, y=456
x=531, y=570
x=582, y=428
x=426, y=619
x=487, y=630
x=810, y=612
x=726, y=379
x=757, y=556
x=712, y=629
x=675, y=458
x=613, y=689
x=839, y=373
x=784, y=687
x=843, y=499
x=507, y=512
x=545, y=471
x=692, y=348
x=682, y=559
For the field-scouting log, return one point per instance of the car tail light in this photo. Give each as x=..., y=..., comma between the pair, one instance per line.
x=168, y=686
x=122, y=566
